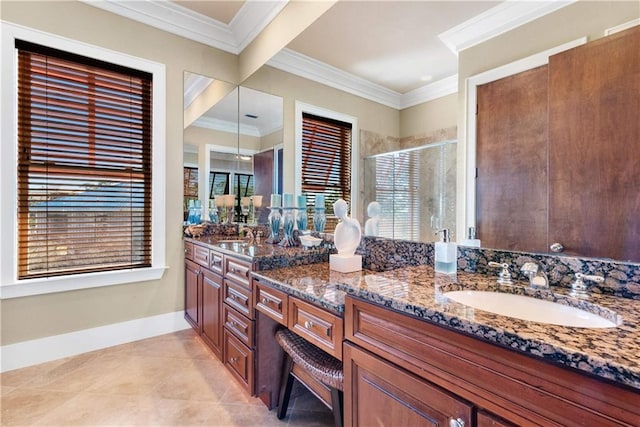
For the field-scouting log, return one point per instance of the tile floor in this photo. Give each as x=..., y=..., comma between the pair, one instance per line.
x=170, y=380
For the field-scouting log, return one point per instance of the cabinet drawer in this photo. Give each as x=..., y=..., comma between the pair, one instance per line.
x=239, y=325
x=201, y=255
x=316, y=325
x=237, y=270
x=271, y=302
x=215, y=262
x=239, y=297
x=238, y=358
x=188, y=250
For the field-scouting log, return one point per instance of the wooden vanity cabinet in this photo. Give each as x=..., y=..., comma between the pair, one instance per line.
x=239, y=323
x=380, y=393
x=396, y=362
x=203, y=294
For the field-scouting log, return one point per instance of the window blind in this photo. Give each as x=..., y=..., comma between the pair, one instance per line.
x=326, y=163
x=84, y=164
x=398, y=192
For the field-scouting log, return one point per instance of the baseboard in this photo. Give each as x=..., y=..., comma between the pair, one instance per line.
x=27, y=353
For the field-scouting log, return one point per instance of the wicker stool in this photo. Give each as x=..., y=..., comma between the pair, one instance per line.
x=301, y=355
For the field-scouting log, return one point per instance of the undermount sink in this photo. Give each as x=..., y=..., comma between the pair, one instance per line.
x=531, y=309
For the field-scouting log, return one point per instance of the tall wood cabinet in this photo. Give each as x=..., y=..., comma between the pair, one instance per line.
x=203, y=294
x=558, y=153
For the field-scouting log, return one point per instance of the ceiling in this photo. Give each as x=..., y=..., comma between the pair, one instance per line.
x=398, y=53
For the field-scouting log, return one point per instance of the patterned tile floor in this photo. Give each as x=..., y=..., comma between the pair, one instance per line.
x=170, y=380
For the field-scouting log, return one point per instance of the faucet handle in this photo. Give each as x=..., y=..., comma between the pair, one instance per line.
x=504, y=277
x=579, y=288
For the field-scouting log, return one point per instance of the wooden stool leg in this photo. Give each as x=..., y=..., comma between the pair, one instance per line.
x=286, y=383
x=336, y=405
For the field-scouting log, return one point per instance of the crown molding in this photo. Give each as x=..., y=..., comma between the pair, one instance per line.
x=226, y=126
x=252, y=18
x=312, y=69
x=194, y=86
x=171, y=17
x=444, y=87
x=498, y=20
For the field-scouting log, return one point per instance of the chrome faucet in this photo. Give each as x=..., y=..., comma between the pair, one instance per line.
x=537, y=277
x=579, y=288
x=504, y=277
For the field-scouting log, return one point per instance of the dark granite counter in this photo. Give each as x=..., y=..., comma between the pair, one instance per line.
x=611, y=353
x=264, y=256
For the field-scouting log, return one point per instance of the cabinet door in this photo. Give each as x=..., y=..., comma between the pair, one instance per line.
x=192, y=292
x=594, y=148
x=511, y=160
x=212, y=311
x=379, y=393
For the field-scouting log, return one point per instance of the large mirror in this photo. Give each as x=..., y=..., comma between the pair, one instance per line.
x=415, y=189
x=232, y=141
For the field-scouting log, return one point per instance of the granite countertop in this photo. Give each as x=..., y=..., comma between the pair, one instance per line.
x=612, y=353
x=265, y=256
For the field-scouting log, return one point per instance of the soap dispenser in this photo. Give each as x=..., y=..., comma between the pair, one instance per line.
x=471, y=239
x=446, y=254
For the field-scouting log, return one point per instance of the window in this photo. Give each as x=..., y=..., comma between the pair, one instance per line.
x=398, y=192
x=326, y=162
x=84, y=164
x=189, y=188
x=218, y=184
x=11, y=285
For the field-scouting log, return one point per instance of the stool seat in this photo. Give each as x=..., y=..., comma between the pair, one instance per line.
x=322, y=366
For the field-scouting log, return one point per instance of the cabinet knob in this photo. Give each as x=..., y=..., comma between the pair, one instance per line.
x=458, y=422
x=308, y=324
x=265, y=301
x=235, y=359
x=556, y=247
x=232, y=296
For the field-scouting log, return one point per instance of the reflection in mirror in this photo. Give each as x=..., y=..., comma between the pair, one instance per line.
x=415, y=189
x=260, y=136
x=210, y=138
x=233, y=136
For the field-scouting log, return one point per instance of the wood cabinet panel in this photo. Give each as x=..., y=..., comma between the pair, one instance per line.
x=192, y=294
x=594, y=140
x=238, y=325
x=485, y=419
x=379, y=393
x=239, y=360
x=216, y=262
x=316, y=326
x=239, y=297
x=271, y=302
x=201, y=255
x=237, y=270
x=211, y=315
x=188, y=250
x=518, y=388
x=511, y=161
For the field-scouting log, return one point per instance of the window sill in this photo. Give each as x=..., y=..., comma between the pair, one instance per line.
x=32, y=287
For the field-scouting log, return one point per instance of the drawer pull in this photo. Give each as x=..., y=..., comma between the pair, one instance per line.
x=266, y=301
x=233, y=360
x=308, y=324
x=458, y=422
x=233, y=297
x=217, y=261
